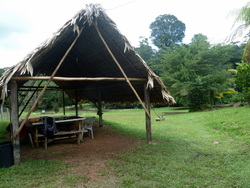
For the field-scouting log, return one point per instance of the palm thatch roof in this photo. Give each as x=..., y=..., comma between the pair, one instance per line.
x=89, y=58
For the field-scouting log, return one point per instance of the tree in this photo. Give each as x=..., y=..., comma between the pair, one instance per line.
x=242, y=16
x=196, y=73
x=243, y=69
x=167, y=30
x=242, y=80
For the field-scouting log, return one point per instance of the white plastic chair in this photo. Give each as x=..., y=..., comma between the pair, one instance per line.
x=88, y=125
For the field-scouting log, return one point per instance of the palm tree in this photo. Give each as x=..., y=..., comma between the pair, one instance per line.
x=242, y=80
x=243, y=17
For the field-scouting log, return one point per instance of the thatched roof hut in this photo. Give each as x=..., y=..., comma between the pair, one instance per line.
x=89, y=58
x=88, y=55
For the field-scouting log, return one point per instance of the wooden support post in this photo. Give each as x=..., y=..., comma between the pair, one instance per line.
x=63, y=98
x=14, y=121
x=99, y=107
x=148, y=118
x=76, y=100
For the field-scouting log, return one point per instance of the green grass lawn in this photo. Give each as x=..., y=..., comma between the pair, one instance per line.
x=203, y=149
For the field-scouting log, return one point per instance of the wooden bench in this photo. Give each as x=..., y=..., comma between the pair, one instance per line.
x=77, y=133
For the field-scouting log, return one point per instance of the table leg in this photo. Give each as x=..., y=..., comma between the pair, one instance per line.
x=78, y=138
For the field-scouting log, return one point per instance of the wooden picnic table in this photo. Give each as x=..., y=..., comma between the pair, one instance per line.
x=77, y=129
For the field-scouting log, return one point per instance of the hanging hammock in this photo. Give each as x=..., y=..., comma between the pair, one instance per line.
x=159, y=118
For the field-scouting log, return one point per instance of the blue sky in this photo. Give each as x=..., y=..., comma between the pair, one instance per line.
x=24, y=24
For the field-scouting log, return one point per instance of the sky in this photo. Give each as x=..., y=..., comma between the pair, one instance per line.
x=24, y=24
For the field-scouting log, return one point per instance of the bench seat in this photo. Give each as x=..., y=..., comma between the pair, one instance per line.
x=78, y=134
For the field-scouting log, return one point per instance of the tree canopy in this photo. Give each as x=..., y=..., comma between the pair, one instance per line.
x=167, y=30
x=197, y=74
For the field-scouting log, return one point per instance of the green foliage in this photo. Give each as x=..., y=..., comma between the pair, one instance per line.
x=3, y=132
x=167, y=30
x=196, y=73
x=55, y=107
x=145, y=50
x=243, y=80
x=246, y=55
x=50, y=100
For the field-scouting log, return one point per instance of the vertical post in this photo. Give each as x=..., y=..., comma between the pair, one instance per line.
x=14, y=121
x=63, y=98
x=76, y=100
x=148, y=117
x=99, y=107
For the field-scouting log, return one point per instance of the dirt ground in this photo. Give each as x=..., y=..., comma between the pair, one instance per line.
x=89, y=157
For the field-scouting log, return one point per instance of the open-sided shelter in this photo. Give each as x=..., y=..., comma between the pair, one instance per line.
x=89, y=59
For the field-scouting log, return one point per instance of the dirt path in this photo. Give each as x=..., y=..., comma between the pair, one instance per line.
x=89, y=157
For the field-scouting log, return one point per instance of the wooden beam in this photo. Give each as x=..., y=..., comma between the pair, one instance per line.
x=47, y=84
x=29, y=89
x=14, y=122
x=75, y=78
x=36, y=87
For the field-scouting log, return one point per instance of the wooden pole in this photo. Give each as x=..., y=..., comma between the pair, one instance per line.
x=122, y=71
x=148, y=119
x=57, y=78
x=99, y=107
x=47, y=84
x=76, y=100
x=63, y=98
x=14, y=121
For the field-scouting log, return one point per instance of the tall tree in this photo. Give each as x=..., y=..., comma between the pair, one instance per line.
x=167, y=30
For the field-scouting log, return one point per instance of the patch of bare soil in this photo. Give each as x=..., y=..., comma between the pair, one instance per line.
x=88, y=158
